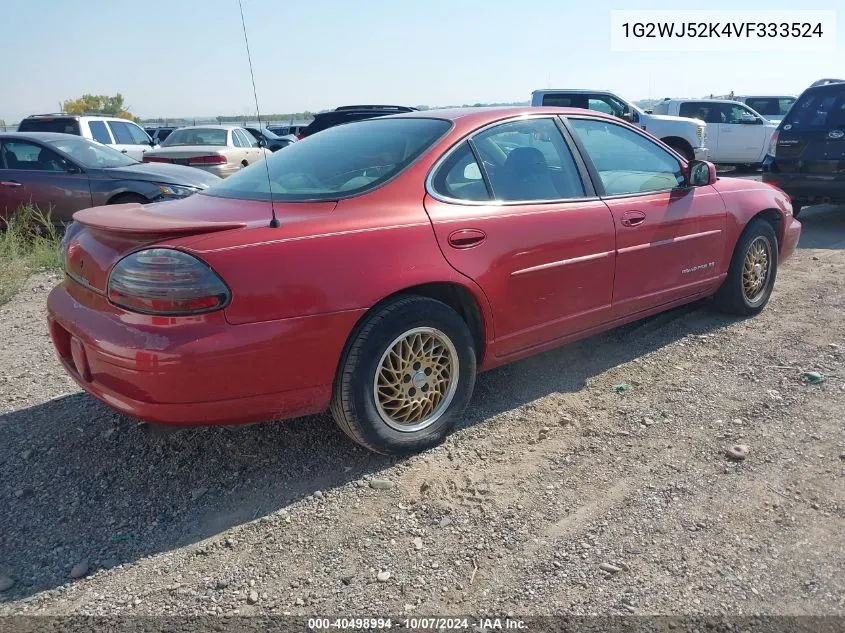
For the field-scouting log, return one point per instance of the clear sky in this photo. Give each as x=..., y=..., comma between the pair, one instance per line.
x=187, y=58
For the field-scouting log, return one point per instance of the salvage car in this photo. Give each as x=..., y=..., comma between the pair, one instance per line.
x=376, y=267
x=63, y=174
x=219, y=149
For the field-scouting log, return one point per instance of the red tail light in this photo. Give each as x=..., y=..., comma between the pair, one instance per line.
x=213, y=159
x=166, y=281
x=300, y=136
x=156, y=159
x=773, y=144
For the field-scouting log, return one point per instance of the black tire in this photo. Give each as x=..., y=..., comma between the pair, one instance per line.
x=732, y=297
x=128, y=198
x=683, y=149
x=354, y=406
x=796, y=209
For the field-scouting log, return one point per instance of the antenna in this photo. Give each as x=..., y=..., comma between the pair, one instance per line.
x=274, y=221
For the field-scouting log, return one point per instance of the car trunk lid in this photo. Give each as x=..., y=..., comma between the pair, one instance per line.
x=101, y=236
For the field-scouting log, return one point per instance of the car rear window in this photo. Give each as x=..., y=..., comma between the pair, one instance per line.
x=818, y=110
x=340, y=162
x=63, y=125
x=770, y=106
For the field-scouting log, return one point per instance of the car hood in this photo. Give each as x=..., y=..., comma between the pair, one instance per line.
x=164, y=173
x=675, y=119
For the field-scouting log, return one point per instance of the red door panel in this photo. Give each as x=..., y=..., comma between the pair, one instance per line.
x=547, y=269
x=668, y=245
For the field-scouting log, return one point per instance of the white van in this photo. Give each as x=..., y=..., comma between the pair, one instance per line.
x=124, y=136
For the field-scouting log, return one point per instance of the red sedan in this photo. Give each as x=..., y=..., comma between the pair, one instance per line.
x=376, y=267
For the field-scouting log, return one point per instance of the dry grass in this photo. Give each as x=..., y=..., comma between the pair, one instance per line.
x=29, y=242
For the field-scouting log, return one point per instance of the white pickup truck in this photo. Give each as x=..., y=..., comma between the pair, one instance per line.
x=684, y=135
x=736, y=134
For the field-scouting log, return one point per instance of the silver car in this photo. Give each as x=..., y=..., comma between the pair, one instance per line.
x=219, y=149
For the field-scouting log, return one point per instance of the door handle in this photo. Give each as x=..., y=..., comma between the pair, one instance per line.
x=11, y=183
x=633, y=218
x=466, y=238
x=124, y=151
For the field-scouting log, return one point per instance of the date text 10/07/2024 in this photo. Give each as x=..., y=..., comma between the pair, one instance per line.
x=417, y=624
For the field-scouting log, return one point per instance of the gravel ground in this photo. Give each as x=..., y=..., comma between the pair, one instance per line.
x=557, y=495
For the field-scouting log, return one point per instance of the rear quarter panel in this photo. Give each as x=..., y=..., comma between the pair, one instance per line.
x=745, y=199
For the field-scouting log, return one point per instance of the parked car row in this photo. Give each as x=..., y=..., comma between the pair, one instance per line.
x=803, y=155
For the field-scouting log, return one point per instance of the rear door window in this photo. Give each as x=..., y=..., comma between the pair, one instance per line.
x=32, y=157
x=528, y=161
x=818, y=110
x=99, y=132
x=706, y=111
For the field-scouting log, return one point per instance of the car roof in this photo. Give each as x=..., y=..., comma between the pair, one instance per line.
x=38, y=136
x=708, y=100
x=211, y=126
x=481, y=115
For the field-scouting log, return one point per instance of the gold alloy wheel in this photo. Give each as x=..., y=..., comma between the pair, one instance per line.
x=416, y=379
x=755, y=269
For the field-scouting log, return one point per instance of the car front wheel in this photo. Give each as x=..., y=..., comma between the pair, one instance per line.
x=751, y=276
x=406, y=376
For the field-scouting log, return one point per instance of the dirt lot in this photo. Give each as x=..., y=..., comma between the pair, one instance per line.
x=557, y=494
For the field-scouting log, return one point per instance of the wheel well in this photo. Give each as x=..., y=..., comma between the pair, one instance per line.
x=677, y=141
x=245, y=163
x=773, y=217
x=453, y=295
x=126, y=194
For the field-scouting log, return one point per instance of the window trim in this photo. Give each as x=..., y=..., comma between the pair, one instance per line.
x=594, y=174
x=590, y=192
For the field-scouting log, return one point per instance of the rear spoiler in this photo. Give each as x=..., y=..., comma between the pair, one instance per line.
x=826, y=82
x=134, y=218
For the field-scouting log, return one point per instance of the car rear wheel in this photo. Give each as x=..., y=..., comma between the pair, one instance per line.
x=406, y=376
x=752, y=273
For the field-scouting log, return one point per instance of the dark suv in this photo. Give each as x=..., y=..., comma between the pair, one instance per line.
x=346, y=114
x=807, y=152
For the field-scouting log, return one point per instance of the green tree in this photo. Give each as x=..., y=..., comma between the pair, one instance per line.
x=99, y=104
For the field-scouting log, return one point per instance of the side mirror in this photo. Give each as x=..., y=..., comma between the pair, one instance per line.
x=628, y=115
x=262, y=143
x=73, y=169
x=701, y=173
x=748, y=119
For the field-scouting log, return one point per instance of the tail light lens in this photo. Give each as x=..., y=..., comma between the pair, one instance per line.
x=773, y=144
x=155, y=159
x=166, y=281
x=300, y=136
x=213, y=159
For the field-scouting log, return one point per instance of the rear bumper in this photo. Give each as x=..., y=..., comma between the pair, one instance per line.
x=196, y=371
x=807, y=188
